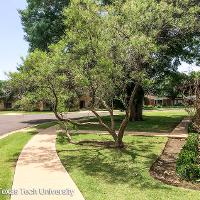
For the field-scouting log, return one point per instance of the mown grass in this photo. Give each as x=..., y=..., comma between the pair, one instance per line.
x=110, y=174
x=10, y=149
x=154, y=121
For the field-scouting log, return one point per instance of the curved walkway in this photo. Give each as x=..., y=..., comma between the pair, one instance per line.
x=40, y=175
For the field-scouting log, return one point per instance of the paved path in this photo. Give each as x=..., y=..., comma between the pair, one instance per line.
x=39, y=168
x=164, y=168
x=182, y=128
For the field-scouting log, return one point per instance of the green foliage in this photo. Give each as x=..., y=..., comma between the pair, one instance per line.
x=61, y=138
x=6, y=92
x=1, y=89
x=191, y=128
x=66, y=126
x=187, y=165
x=26, y=103
x=169, y=85
x=105, y=49
x=149, y=107
x=192, y=143
x=43, y=22
x=42, y=78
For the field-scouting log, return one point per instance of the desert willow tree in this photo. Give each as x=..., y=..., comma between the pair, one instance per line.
x=106, y=49
x=94, y=58
x=108, y=61
x=118, y=47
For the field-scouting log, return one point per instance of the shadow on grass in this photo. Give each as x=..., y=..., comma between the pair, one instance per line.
x=115, y=166
x=158, y=124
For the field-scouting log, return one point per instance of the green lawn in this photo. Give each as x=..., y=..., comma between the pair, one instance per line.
x=110, y=174
x=154, y=121
x=10, y=148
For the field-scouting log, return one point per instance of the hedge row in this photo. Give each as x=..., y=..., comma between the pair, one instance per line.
x=187, y=165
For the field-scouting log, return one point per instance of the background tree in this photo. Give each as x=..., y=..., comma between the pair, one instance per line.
x=1, y=88
x=43, y=22
x=7, y=94
x=169, y=86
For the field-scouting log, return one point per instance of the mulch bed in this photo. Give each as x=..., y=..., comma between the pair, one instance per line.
x=164, y=168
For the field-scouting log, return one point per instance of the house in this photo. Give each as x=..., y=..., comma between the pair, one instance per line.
x=152, y=100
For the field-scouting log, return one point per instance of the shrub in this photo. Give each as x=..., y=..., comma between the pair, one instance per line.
x=149, y=107
x=187, y=165
x=159, y=106
x=191, y=129
x=192, y=143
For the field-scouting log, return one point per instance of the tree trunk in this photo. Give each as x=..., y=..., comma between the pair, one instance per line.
x=137, y=106
x=119, y=143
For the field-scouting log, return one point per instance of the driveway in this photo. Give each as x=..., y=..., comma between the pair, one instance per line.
x=9, y=123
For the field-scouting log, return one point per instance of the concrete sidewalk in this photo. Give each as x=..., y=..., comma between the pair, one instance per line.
x=40, y=175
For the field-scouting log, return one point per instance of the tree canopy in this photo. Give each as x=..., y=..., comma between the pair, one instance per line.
x=169, y=85
x=108, y=52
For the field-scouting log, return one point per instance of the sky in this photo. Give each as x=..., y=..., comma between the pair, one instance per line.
x=12, y=43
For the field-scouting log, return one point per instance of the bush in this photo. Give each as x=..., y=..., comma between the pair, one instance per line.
x=189, y=171
x=186, y=157
x=187, y=165
x=149, y=107
x=191, y=128
x=192, y=143
x=159, y=106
